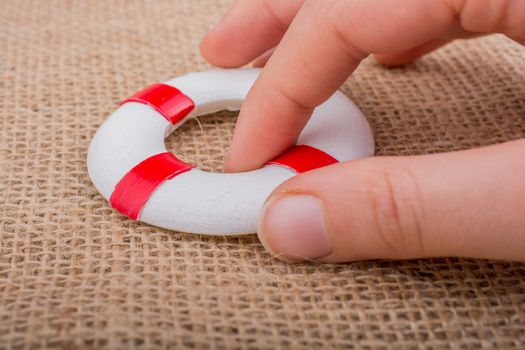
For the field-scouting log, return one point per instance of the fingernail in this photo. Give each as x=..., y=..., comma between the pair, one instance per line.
x=292, y=226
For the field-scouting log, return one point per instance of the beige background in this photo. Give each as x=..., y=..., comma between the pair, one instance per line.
x=74, y=273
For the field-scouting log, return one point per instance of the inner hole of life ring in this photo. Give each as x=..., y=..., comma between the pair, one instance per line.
x=204, y=141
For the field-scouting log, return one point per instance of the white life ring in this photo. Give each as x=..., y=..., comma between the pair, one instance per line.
x=130, y=166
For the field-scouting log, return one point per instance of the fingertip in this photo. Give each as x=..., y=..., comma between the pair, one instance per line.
x=262, y=236
x=208, y=48
x=239, y=163
x=229, y=166
x=247, y=30
x=212, y=48
x=291, y=227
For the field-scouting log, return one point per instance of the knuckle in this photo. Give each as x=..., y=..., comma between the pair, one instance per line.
x=337, y=26
x=270, y=7
x=396, y=211
x=291, y=93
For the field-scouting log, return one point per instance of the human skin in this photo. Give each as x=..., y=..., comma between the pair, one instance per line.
x=469, y=203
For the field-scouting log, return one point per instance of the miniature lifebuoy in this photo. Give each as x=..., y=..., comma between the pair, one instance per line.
x=130, y=166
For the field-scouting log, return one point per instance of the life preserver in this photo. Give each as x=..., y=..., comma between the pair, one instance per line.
x=130, y=166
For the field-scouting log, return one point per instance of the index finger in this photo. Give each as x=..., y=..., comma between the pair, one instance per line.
x=314, y=58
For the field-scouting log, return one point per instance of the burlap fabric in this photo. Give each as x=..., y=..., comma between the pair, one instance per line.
x=76, y=274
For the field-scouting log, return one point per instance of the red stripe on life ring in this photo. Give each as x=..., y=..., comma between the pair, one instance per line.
x=303, y=158
x=134, y=189
x=165, y=99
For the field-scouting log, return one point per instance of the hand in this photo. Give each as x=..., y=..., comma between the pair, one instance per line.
x=469, y=203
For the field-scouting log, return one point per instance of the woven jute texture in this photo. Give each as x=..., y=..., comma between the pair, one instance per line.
x=76, y=274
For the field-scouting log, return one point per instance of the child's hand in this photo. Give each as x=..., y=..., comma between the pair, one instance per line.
x=469, y=203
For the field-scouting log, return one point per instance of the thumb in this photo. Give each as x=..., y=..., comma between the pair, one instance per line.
x=467, y=203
